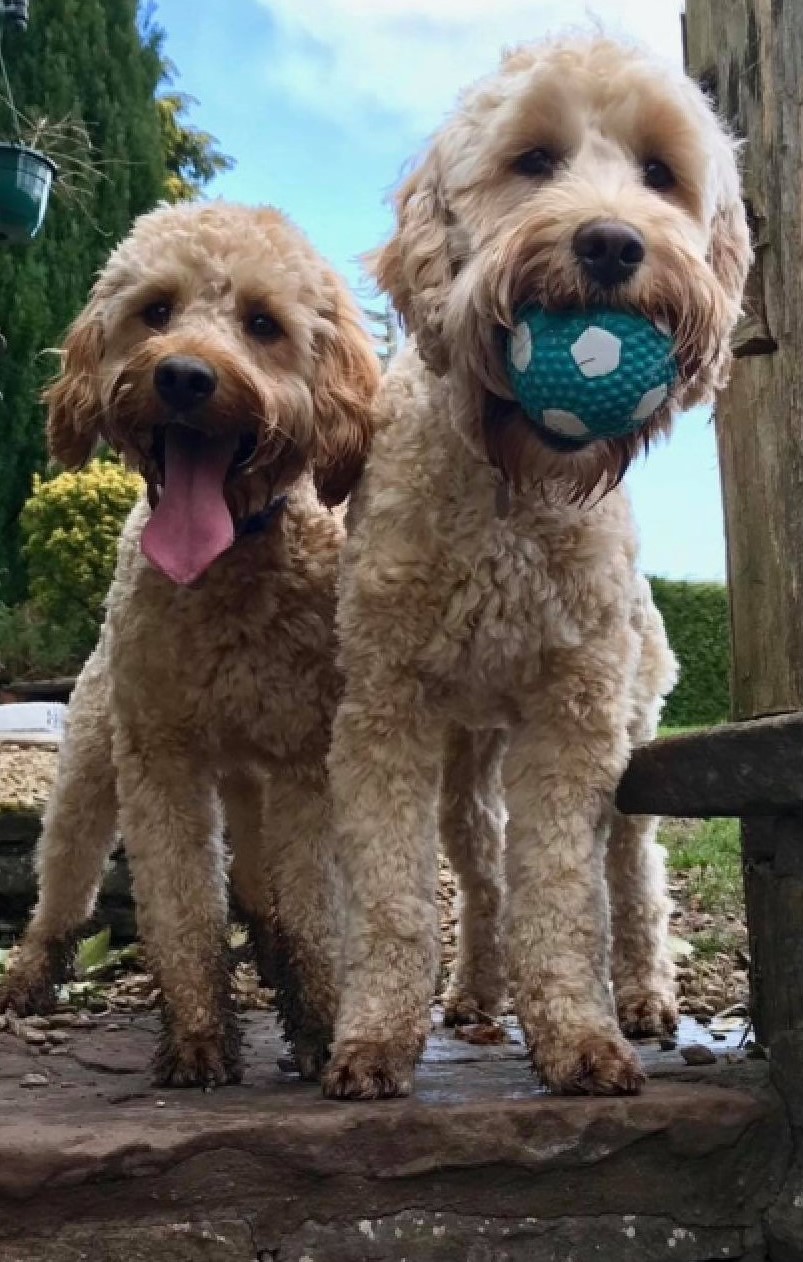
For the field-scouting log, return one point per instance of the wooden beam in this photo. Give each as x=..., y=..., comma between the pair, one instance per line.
x=749, y=53
x=740, y=769
x=59, y=689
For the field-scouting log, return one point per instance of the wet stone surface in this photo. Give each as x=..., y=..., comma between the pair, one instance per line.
x=481, y=1165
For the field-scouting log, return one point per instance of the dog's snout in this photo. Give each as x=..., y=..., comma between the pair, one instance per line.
x=184, y=382
x=609, y=252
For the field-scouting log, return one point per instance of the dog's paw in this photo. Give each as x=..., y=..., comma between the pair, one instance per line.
x=595, y=1063
x=462, y=1008
x=197, y=1062
x=367, y=1071
x=27, y=993
x=307, y=1059
x=647, y=1014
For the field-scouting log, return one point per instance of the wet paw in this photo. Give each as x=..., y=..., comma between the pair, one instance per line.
x=462, y=1009
x=367, y=1071
x=647, y=1014
x=27, y=993
x=307, y=1060
x=593, y=1064
x=477, y=1001
x=196, y=1061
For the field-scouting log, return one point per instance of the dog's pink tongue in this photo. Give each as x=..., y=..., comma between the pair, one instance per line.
x=191, y=525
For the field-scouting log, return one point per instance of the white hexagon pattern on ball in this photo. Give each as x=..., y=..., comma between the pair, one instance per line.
x=649, y=402
x=565, y=423
x=521, y=347
x=597, y=352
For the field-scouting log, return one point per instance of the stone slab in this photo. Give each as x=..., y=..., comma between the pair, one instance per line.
x=481, y=1165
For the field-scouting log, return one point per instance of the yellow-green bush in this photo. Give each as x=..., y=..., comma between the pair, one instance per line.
x=70, y=526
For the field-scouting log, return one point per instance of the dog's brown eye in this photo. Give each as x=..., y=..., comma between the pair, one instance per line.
x=157, y=315
x=658, y=175
x=263, y=326
x=537, y=163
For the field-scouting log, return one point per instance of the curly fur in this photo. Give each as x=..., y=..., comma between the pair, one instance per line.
x=214, y=701
x=522, y=643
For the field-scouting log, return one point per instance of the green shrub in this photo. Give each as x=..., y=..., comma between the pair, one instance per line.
x=697, y=623
x=31, y=647
x=70, y=526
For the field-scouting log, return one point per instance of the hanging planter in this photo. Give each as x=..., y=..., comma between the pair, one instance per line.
x=27, y=169
x=26, y=177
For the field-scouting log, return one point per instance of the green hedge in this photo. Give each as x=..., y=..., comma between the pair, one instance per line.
x=697, y=623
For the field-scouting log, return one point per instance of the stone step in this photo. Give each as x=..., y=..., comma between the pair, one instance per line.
x=479, y=1166
x=19, y=832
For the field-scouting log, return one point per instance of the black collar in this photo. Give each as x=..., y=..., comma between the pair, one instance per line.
x=258, y=522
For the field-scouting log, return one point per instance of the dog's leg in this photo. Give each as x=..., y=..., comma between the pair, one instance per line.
x=244, y=797
x=560, y=772
x=307, y=928
x=173, y=837
x=472, y=818
x=385, y=766
x=642, y=968
x=78, y=832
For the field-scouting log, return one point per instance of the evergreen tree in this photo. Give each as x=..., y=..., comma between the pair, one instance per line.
x=191, y=155
x=94, y=61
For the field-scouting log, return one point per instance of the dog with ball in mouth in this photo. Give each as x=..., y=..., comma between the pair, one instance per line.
x=569, y=255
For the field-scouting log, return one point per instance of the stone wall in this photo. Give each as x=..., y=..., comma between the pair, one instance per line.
x=19, y=831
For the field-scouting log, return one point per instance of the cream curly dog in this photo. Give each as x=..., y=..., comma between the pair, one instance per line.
x=491, y=605
x=227, y=361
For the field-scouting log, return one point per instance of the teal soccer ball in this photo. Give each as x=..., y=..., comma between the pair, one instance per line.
x=585, y=375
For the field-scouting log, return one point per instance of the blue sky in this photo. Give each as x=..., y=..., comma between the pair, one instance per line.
x=321, y=103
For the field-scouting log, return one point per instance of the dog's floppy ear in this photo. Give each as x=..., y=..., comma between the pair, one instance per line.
x=73, y=400
x=414, y=267
x=347, y=377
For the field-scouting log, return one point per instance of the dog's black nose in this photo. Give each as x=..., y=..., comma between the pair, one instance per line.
x=184, y=382
x=609, y=252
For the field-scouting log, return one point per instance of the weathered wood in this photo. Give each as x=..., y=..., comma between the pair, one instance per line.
x=58, y=689
x=740, y=769
x=750, y=52
x=773, y=858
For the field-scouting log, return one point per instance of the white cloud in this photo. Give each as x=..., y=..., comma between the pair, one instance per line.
x=406, y=59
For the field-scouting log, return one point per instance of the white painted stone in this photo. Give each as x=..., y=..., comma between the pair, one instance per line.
x=33, y=722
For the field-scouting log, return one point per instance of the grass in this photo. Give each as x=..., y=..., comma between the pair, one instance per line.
x=667, y=730
x=708, y=853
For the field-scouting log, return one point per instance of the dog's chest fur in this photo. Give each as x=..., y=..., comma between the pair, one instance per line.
x=480, y=605
x=517, y=594
x=244, y=660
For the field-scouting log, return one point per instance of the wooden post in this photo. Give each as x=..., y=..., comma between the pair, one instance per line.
x=749, y=53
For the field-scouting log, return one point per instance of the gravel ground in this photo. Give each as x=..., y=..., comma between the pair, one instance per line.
x=27, y=773
x=712, y=946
